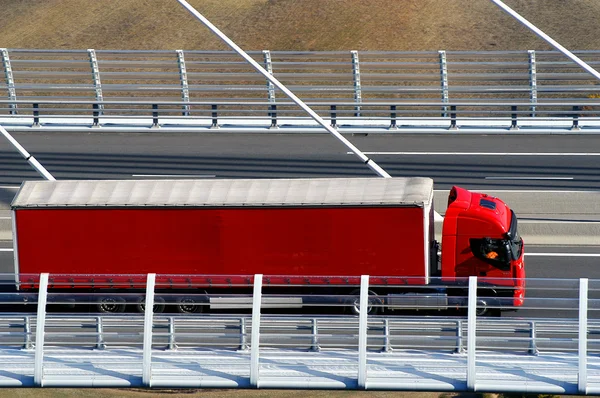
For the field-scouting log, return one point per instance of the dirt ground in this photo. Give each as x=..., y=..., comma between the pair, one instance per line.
x=297, y=25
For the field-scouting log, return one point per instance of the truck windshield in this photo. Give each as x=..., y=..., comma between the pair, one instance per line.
x=514, y=239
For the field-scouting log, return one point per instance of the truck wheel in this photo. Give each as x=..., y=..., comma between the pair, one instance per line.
x=374, y=305
x=157, y=308
x=110, y=305
x=188, y=305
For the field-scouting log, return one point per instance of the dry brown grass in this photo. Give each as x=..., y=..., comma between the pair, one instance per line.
x=297, y=24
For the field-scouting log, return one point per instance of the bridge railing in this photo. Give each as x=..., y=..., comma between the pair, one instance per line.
x=157, y=330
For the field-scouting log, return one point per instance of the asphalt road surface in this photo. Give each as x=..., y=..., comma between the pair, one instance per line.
x=566, y=162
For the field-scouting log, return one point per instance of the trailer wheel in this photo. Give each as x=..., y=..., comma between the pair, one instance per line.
x=374, y=306
x=110, y=305
x=188, y=305
x=157, y=308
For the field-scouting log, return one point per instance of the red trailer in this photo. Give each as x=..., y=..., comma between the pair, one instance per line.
x=291, y=227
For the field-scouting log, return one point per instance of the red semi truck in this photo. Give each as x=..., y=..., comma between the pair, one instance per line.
x=305, y=230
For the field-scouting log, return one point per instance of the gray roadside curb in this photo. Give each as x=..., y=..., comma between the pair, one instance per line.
x=546, y=218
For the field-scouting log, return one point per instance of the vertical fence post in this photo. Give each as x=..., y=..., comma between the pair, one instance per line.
x=533, y=335
x=148, y=323
x=172, y=343
x=453, y=125
x=96, y=75
x=254, y=350
x=471, y=334
x=333, y=115
x=459, y=337
x=243, y=335
x=575, y=126
x=10, y=81
x=314, y=328
x=214, y=115
x=155, y=116
x=36, y=115
x=532, y=80
x=444, y=80
x=583, y=329
x=99, y=334
x=270, y=89
x=356, y=81
x=27, y=329
x=362, y=331
x=183, y=80
x=38, y=370
x=387, y=339
x=513, y=118
x=393, y=116
x=95, y=114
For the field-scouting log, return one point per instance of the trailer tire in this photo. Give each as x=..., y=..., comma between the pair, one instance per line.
x=374, y=306
x=188, y=305
x=110, y=305
x=157, y=308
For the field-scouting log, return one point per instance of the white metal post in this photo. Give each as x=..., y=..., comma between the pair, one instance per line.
x=547, y=38
x=254, y=350
x=269, y=68
x=471, y=334
x=148, y=323
x=96, y=75
x=532, y=80
x=38, y=370
x=10, y=81
x=183, y=79
x=356, y=80
x=444, y=80
x=362, y=331
x=364, y=158
x=27, y=156
x=583, y=330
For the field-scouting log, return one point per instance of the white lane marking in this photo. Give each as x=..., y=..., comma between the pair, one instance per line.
x=9, y=187
x=175, y=175
x=526, y=178
x=6, y=250
x=563, y=254
x=520, y=191
x=484, y=153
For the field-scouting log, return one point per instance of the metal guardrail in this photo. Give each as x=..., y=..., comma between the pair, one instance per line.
x=303, y=350
x=217, y=87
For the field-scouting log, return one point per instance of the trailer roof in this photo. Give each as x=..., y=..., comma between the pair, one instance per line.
x=225, y=192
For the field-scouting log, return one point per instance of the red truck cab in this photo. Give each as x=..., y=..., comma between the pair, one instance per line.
x=480, y=237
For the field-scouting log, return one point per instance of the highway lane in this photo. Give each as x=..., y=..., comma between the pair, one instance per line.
x=569, y=163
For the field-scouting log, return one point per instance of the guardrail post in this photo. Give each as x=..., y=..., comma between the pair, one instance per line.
x=254, y=350
x=472, y=334
x=532, y=343
x=315, y=335
x=27, y=330
x=100, y=345
x=273, y=114
x=460, y=349
x=362, y=331
x=183, y=79
x=95, y=74
x=36, y=115
x=582, y=344
x=243, y=335
x=532, y=80
x=96, y=115
x=148, y=324
x=10, y=81
x=356, y=81
x=393, y=115
x=513, y=118
x=155, y=116
x=333, y=116
x=38, y=369
x=453, y=125
x=214, y=114
x=444, y=80
x=172, y=343
x=386, y=332
x=575, y=126
x=270, y=89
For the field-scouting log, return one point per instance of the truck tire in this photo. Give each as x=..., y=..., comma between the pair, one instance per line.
x=110, y=305
x=157, y=308
x=188, y=305
x=374, y=305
